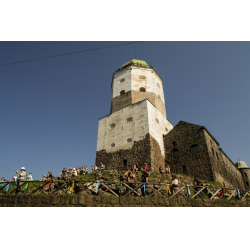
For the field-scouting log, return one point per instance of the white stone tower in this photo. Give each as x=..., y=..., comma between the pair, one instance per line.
x=133, y=132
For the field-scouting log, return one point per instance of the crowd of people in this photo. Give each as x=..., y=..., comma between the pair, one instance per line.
x=128, y=177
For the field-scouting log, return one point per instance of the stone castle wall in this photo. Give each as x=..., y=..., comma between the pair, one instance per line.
x=203, y=164
x=134, y=96
x=99, y=201
x=143, y=151
x=223, y=168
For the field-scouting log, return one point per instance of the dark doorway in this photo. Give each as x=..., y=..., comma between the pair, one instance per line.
x=125, y=163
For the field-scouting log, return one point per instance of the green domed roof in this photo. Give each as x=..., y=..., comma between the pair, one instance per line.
x=240, y=164
x=136, y=62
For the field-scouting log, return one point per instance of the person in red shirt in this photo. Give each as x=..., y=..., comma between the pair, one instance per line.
x=146, y=167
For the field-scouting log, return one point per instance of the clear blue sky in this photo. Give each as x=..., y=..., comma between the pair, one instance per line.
x=50, y=108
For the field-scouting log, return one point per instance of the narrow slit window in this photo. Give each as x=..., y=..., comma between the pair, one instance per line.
x=142, y=77
x=122, y=92
x=122, y=80
x=156, y=120
x=112, y=145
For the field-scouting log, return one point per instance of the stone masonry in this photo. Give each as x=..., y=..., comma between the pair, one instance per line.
x=209, y=162
x=99, y=201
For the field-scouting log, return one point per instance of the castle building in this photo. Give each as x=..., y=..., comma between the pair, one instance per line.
x=191, y=149
x=137, y=131
x=133, y=131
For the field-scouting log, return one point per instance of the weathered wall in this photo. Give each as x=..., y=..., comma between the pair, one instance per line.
x=246, y=177
x=204, y=164
x=223, y=168
x=186, y=135
x=138, y=154
x=134, y=96
x=135, y=129
x=99, y=201
x=144, y=120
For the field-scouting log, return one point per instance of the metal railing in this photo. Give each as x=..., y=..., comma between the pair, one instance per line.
x=118, y=189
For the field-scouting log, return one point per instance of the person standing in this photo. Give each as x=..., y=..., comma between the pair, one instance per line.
x=144, y=179
x=20, y=177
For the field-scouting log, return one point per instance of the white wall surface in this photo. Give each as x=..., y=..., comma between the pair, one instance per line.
x=152, y=83
x=143, y=114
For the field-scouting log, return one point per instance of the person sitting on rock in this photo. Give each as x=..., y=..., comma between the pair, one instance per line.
x=130, y=175
x=70, y=172
x=85, y=169
x=82, y=171
x=102, y=166
x=74, y=173
x=2, y=179
x=30, y=178
x=168, y=169
x=78, y=170
x=43, y=178
x=161, y=170
x=49, y=175
x=95, y=168
x=64, y=172
x=92, y=169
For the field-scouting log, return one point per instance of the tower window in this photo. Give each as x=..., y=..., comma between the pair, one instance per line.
x=213, y=151
x=122, y=80
x=166, y=129
x=122, y=92
x=211, y=142
x=245, y=174
x=217, y=155
x=129, y=140
x=175, y=152
x=195, y=148
x=142, y=77
x=112, y=145
x=156, y=120
x=184, y=169
x=112, y=126
x=174, y=143
x=130, y=119
x=125, y=163
x=247, y=183
x=142, y=89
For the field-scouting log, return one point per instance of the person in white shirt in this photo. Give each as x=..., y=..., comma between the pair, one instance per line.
x=15, y=177
x=174, y=184
x=30, y=178
x=74, y=172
